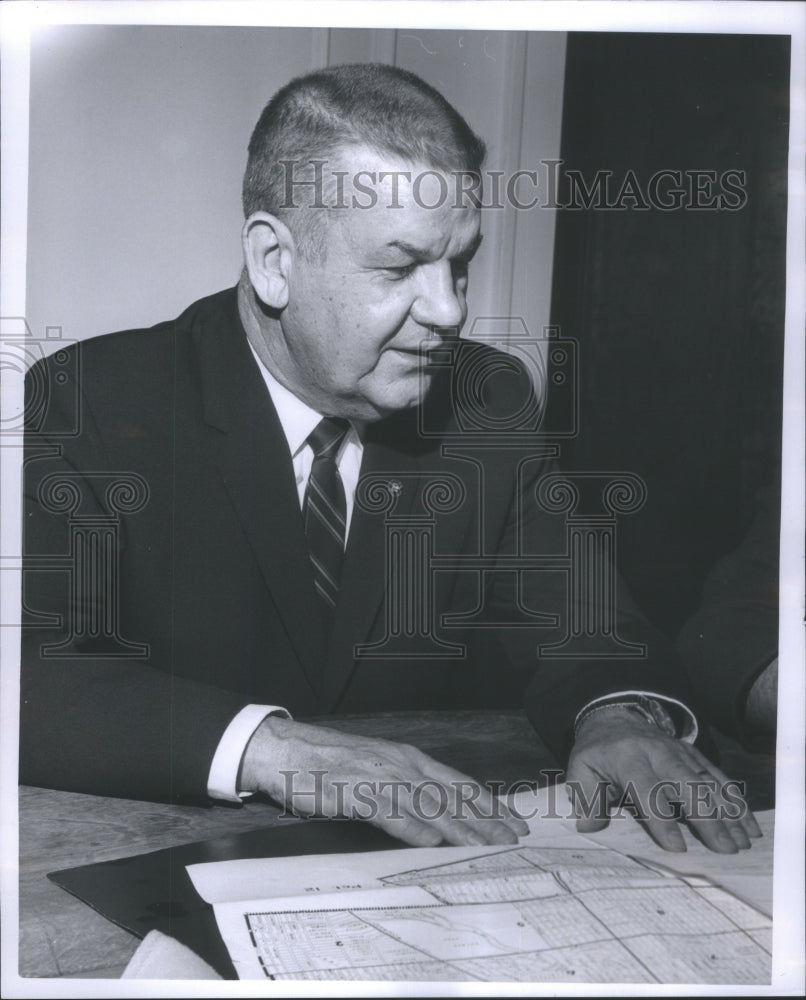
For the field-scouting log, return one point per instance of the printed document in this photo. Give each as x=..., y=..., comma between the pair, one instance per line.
x=557, y=907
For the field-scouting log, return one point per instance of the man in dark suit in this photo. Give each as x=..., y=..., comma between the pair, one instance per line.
x=295, y=498
x=729, y=647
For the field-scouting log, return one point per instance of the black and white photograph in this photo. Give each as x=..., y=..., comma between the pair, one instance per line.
x=403, y=498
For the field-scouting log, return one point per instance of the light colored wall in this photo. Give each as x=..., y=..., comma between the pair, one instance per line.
x=138, y=141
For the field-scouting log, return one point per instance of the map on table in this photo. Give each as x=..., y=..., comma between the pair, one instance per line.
x=519, y=914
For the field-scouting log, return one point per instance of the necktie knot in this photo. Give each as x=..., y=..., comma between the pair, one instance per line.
x=326, y=438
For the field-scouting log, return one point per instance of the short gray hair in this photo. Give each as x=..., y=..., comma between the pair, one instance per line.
x=386, y=109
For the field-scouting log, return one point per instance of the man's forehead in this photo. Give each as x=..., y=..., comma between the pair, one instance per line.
x=388, y=203
x=412, y=231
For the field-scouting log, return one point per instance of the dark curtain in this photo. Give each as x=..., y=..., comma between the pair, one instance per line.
x=679, y=312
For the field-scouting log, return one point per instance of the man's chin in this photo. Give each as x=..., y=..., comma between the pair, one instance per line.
x=382, y=410
x=405, y=394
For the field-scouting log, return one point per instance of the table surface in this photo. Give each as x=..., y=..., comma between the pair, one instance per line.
x=62, y=936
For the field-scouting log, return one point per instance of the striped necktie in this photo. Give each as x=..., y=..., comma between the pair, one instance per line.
x=325, y=512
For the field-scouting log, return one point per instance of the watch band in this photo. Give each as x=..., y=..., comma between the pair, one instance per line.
x=647, y=708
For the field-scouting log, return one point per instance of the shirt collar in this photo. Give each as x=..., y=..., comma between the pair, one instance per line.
x=296, y=418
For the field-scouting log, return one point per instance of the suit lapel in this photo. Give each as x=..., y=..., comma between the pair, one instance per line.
x=251, y=451
x=252, y=455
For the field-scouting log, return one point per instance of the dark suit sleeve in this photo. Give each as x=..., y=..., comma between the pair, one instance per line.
x=733, y=635
x=95, y=716
x=555, y=631
x=600, y=644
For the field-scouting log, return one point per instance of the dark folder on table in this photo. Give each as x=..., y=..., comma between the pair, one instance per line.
x=154, y=892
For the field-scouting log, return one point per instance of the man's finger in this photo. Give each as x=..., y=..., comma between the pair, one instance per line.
x=438, y=805
x=736, y=803
x=700, y=801
x=704, y=811
x=471, y=802
x=409, y=830
x=591, y=798
x=657, y=809
x=665, y=833
x=592, y=825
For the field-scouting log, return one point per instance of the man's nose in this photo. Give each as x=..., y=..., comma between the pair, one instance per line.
x=438, y=304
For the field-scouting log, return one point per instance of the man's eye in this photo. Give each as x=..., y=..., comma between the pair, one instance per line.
x=398, y=273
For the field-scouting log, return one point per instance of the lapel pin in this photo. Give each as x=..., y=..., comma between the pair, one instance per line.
x=395, y=487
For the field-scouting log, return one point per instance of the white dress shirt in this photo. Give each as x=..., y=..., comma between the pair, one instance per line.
x=298, y=420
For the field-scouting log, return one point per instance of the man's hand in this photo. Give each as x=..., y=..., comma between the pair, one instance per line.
x=317, y=771
x=618, y=757
x=762, y=701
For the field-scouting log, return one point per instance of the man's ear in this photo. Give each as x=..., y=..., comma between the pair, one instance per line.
x=268, y=250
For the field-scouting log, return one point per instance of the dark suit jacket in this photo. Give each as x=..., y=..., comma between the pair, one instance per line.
x=212, y=578
x=733, y=635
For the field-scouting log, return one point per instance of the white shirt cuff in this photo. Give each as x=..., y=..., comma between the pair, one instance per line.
x=690, y=728
x=222, y=781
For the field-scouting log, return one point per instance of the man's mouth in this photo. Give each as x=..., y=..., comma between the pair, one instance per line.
x=415, y=353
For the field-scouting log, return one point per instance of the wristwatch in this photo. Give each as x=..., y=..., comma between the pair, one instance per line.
x=644, y=706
